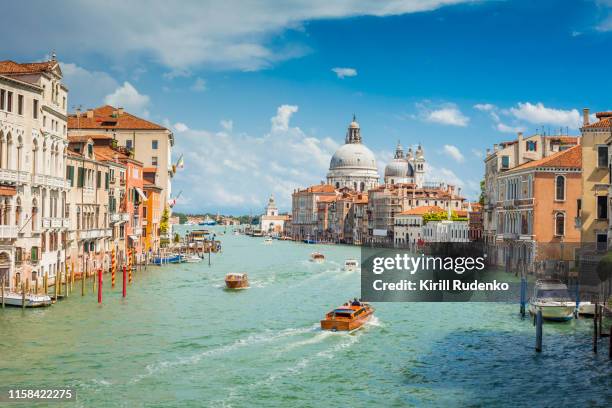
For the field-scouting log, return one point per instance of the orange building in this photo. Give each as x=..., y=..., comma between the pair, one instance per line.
x=151, y=216
x=537, y=204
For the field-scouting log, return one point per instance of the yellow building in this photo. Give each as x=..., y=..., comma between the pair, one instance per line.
x=152, y=216
x=593, y=207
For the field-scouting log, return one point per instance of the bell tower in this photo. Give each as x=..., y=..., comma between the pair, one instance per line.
x=419, y=166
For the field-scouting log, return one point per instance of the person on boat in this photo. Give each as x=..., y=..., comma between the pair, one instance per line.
x=355, y=302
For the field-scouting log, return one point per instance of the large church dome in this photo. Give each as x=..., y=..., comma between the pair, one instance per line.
x=399, y=167
x=353, y=165
x=355, y=156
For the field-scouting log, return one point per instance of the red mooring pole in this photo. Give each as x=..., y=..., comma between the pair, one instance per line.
x=124, y=281
x=100, y=285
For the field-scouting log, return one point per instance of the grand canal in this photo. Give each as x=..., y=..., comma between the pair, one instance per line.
x=181, y=340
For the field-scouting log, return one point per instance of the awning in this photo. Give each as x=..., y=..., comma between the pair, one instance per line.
x=141, y=194
x=133, y=237
x=8, y=191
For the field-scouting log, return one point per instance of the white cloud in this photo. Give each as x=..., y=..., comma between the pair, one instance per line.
x=199, y=85
x=454, y=153
x=485, y=107
x=345, y=72
x=477, y=153
x=128, y=97
x=502, y=127
x=180, y=127
x=86, y=87
x=251, y=167
x=217, y=33
x=541, y=115
x=280, y=122
x=447, y=114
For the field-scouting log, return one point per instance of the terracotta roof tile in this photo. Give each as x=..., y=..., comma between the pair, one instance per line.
x=8, y=67
x=426, y=209
x=604, y=122
x=570, y=158
x=108, y=117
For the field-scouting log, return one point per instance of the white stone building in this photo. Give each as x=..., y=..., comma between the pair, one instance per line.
x=33, y=129
x=446, y=231
x=353, y=165
x=272, y=222
x=406, y=169
x=408, y=228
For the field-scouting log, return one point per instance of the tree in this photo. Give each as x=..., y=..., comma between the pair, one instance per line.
x=164, y=223
x=177, y=238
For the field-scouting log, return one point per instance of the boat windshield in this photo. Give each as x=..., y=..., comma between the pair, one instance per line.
x=553, y=294
x=343, y=312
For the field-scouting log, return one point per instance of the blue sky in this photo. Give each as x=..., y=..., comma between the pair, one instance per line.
x=257, y=108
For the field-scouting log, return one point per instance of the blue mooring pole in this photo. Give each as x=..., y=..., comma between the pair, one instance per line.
x=523, y=295
x=539, y=322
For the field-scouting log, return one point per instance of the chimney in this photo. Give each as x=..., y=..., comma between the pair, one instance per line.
x=78, y=112
x=488, y=151
x=495, y=147
x=520, y=148
x=585, y=116
x=90, y=113
x=120, y=111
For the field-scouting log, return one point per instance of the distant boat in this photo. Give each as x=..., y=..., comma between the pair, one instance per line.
x=552, y=298
x=172, y=258
x=208, y=221
x=310, y=241
x=190, y=258
x=317, y=257
x=31, y=300
x=268, y=240
x=236, y=281
x=351, y=265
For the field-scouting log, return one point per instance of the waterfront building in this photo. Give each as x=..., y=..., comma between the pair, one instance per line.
x=33, y=187
x=89, y=237
x=504, y=157
x=446, y=231
x=406, y=169
x=475, y=222
x=408, y=227
x=272, y=222
x=594, y=208
x=151, y=211
x=387, y=200
x=356, y=227
x=610, y=192
x=353, y=165
x=536, y=205
x=304, y=210
x=150, y=143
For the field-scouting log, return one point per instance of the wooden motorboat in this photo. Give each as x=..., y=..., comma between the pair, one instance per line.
x=236, y=281
x=317, y=257
x=348, y=317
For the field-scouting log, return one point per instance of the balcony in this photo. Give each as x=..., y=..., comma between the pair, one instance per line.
x=49, y=181
x=8, y=231
x=55, y=222
x=119, y=217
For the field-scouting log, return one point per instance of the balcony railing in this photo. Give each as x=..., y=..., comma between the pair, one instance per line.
x=55, y=222
x=50, y=181
x=8, y=231
x=119, y=217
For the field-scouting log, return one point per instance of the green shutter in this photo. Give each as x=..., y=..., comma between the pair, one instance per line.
x=99, y=179
x=106, y=180
x=70, y=175
x=81, y=177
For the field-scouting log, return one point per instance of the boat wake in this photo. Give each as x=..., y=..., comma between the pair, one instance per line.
x=266, y=337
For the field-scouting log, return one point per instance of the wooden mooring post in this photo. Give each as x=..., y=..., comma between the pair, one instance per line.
x=539, y=323
x=3, y=291
x=55, y=285
x=46, y=283
x=595, y=320
x=100, y=285
x=523, y=295
x=22, y=295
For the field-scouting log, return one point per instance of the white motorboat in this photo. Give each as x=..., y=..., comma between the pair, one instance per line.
x=553, y=299
x=192, y=259
x=351, y=265
x=236, y=232
x=31, y=300
x=268, y=240
x=584, y=308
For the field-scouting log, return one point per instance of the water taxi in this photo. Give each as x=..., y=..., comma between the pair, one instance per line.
x=351, y=316
x=236, y=281
x=553, y=299
x=31, y=300
x=351, y=265
x=317, y=257
x=268, y=240
x=190, y=258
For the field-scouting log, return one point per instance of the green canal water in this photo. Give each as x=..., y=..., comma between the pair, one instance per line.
x=180, y=340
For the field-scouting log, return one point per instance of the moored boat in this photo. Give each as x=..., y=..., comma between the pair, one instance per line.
x=236, y=281
x=31, y=300
x=191, y=258
x=317, y=257
x=351, y=265
x=348, y=317
x=553, y=299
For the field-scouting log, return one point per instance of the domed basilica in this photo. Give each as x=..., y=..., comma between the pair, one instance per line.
x=406, y=169
x=353, y=165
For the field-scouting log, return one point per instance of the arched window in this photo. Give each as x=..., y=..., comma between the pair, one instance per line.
x=337, y=184
x=355, y=185
x=560, y=224
x=560, y=188
x=362, y=188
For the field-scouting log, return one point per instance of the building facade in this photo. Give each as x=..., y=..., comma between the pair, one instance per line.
x=406, y=169
x=305, y=210
x=273, y=223
x=33, y=188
